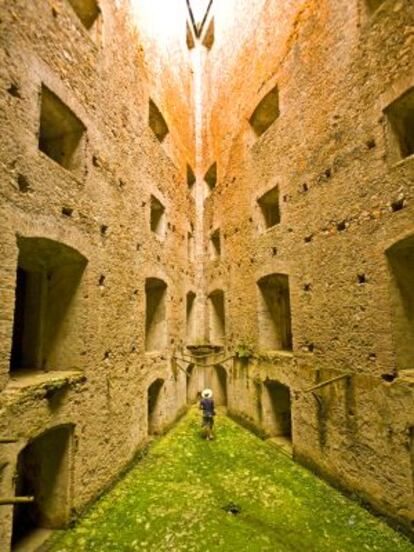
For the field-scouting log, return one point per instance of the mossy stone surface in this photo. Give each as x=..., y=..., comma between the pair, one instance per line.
x=179, y=496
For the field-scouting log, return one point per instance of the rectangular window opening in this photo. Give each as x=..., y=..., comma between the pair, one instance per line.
x=266, y=112
x=400, y=115
x=157, y=217
x=269, y=208
x=210, y=178
x=88, y=11
x=157, y=122
x=60, y=132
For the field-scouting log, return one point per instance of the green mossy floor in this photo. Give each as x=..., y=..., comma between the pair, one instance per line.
x=174, y=499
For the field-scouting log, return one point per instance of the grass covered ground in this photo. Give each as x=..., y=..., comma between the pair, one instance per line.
x=176, y=499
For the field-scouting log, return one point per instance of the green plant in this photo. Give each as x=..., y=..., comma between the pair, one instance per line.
x=244, y=350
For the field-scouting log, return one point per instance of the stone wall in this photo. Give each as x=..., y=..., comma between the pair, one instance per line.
x=345, y=197
x=78, y=166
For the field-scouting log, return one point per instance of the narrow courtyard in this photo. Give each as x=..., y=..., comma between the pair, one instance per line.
x=236, y=493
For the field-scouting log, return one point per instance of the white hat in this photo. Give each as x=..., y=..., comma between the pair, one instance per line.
x=207, y=394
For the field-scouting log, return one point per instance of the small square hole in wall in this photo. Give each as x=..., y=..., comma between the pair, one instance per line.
x=400, y=115
x=61, y=132
x=157, y=122
x=157, y=217
x=87, y=10
x=215, y=245
x=210, y=178
x=269, y=208
x=266, y=112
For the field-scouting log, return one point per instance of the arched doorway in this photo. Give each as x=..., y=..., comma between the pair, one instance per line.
x=154, y=406
x=43, y=471
x=277, y=417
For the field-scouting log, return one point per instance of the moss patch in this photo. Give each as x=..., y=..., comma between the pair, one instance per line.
x=180, y=497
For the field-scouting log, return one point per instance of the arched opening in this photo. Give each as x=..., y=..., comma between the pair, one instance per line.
x=155, y=406
x=155, y=314
x=219, y=385
x=275, y=330
x=401, y=262
x=46, y=314
x=192, y=384
x=217, y=325
x=43, y=471
x=276, y=409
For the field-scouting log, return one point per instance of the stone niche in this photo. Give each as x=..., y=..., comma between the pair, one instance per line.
x=48, y=307
x=61, y=133
x=155, y=406
x=274, y=315
x=88, y=11
x=43, y=470
x=215, y=245
x=158, y=218
x=400, y=115
x=269, y=208
x=157, y=122
x=401, y=264
x=266, y=112
x=216, y=317
x=156, y=336
x=190, y=316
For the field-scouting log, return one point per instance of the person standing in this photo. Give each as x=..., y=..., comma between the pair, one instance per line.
x=207, y=406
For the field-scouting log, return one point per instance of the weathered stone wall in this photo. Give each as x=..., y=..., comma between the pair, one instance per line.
x=344, y=200
x=101, y=210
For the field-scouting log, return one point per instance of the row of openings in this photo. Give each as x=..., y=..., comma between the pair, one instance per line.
x=48, y=277
x=62, y=134
x=399, y=114
x=210, y=179
x=274, y=314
